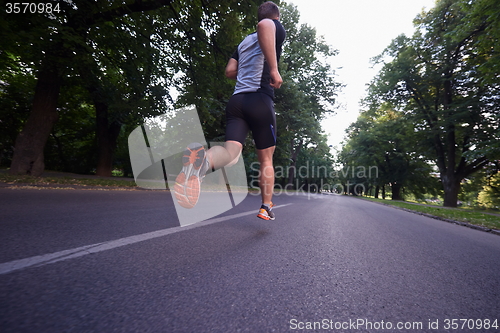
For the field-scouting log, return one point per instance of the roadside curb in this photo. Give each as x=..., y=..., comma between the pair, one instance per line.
x=464, y=224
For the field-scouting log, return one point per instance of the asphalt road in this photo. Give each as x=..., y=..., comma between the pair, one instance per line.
x=328, y=263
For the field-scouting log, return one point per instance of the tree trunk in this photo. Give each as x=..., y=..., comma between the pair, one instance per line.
x=377, y=190
x=396, y=191
x=451, y=187
x=107, y=135
x=292, y=170
x=449, y=178
x=28, y=151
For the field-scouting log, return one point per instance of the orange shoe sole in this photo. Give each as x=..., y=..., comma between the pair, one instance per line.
x=188, y=183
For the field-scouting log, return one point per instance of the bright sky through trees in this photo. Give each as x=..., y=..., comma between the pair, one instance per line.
x=360, y=30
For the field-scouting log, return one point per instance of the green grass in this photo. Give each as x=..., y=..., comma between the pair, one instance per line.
x=65, y=180
x=455, y=214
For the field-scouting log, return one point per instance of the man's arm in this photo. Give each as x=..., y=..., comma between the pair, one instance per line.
x=232, y=68
x=266, y=33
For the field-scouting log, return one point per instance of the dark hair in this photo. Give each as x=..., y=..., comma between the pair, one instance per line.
x=268, y=10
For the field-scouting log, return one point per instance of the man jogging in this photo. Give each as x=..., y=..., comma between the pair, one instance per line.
x=254, y=65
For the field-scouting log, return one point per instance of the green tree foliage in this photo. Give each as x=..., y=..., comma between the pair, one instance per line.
x=126, y=72
x=56, y=46
x=482, y=19
x=16, y=94
x=435, y=78
x=308, y=92
x=73, y=82
x=72, y=144
x=383, y=139
x=314, y=168
x=208, y=34
x=124, y=56
x=489, y=197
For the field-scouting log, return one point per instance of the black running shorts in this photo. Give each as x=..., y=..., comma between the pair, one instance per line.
x=255, y=112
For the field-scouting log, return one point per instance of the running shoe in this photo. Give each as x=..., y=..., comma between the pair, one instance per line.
x=188, y=183
x=266, y=213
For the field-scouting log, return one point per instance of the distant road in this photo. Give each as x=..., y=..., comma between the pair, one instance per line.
x=116, y=261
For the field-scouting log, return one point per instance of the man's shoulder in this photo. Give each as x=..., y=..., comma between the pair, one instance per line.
x=248, y=41
x=279, y=27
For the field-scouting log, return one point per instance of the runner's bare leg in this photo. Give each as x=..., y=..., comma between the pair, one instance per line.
x=266, y=176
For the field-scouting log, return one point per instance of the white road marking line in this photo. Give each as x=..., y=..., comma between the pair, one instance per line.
x=50, y=258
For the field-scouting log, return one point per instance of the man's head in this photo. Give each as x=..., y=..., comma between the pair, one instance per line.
x=268, y=10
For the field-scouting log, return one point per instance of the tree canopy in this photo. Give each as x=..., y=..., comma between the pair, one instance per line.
x=440, y=81
x=74, y=82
